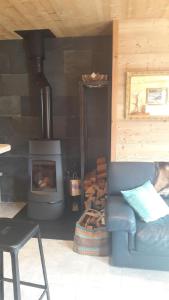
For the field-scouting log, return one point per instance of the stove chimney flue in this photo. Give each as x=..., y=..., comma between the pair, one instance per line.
x=46, y=113
x=34, y=46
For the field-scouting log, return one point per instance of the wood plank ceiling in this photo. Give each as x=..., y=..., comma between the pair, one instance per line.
x=74, y=17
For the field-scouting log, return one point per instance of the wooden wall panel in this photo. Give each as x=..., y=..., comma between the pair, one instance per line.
x=114, y=88
x=143, y=36
x=143, y=45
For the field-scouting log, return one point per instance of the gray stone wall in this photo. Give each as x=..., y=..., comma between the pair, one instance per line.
x=16, y=122
x=66, y=60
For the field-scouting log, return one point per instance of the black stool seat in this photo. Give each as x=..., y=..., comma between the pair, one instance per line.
x=13, y=236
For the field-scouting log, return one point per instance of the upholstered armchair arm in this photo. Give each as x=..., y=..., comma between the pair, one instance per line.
x=119, y=215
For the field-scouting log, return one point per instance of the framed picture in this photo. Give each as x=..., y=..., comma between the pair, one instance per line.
x=147, y=95
x=156, y=96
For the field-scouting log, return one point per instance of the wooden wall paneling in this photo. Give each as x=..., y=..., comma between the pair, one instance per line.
x=140, y=49
x=143, y=61
x=143, y=36
x=114, y=88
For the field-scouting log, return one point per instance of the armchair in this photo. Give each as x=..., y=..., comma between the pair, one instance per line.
x=134, y=243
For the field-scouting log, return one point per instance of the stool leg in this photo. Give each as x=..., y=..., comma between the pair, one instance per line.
x=1, y=276
x=16, y=279
x=43, y=265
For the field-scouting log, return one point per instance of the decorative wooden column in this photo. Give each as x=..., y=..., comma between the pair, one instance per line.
x=83, y=86
x=114, y=89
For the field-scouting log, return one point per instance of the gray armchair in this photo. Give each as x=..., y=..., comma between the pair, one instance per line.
x=134, y=243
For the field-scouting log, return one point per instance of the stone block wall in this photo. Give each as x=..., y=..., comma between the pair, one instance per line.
x=66, y=60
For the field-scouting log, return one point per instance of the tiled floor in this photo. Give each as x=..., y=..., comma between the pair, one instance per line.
x=77, y=277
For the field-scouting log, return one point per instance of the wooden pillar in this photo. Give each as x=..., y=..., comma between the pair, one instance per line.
x=115, y=32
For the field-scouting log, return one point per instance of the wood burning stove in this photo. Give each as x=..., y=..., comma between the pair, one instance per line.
x=46, y=199
x=43, y=175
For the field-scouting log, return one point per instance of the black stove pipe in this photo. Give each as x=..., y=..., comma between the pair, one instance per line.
x=46, y=112
x=34, y=46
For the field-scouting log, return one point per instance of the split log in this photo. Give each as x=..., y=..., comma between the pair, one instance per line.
x=96, y=195
x=101, y=160
x=95, y=186
x=101, y=168
x=102, y=175
x=92, y=219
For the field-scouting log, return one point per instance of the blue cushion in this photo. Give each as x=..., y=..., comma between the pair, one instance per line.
x=146, y=202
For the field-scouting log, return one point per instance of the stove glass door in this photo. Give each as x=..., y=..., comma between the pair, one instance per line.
x=43, y=175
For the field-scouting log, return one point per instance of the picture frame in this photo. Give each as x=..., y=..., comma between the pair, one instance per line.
x=147, y=95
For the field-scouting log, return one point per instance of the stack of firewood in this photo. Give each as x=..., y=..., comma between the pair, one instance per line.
x=95, y=186
x=92, y=219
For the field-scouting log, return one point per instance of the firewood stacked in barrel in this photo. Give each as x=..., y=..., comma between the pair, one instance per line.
x=92, y=219
x=101, y=168
x=95, y=186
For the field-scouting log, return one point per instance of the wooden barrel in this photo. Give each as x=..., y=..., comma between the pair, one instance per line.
x=91, y=241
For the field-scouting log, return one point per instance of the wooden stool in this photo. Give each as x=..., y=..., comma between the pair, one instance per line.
x=13, y=236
